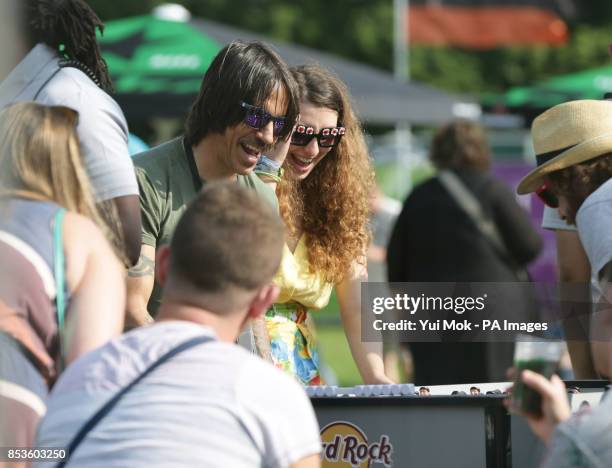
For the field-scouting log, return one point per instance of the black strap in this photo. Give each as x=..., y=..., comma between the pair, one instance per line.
x=545, y=157
x=109, y=405
x=69, y=64
x=45, y=83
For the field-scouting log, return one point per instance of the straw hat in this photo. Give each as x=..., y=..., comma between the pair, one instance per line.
x=566, y=135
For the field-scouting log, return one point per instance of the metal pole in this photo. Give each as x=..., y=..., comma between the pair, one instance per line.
x=401, y=65
x=401, y=71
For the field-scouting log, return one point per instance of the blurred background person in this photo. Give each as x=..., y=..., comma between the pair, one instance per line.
x=384, y=211
x=435, y=240
x=62, y=288
x=10, y=35
x=61, y=64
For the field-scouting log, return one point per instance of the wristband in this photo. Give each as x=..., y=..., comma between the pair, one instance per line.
x=269, y=162
x=270, y=168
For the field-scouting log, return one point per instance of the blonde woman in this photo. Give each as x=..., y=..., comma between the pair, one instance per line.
x=62, y=286
x=324, y=200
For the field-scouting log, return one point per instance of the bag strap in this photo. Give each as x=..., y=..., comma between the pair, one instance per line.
x=46, y=82
x=67, y=64
x=59, y=273
x=468, y=202
x=109, y=405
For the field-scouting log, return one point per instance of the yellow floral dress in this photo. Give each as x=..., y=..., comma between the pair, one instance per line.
x=292, y=340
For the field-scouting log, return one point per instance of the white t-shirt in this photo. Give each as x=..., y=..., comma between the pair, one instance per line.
x=551, y=220
x=214, y=405
x=102, y=128
x=594, y=221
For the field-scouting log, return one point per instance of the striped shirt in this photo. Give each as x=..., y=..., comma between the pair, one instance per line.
x=27, y=285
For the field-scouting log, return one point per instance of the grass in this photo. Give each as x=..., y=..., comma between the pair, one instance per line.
x=333, y=347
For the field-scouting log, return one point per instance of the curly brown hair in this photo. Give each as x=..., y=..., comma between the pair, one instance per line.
x=331, y=206
x=593, y=174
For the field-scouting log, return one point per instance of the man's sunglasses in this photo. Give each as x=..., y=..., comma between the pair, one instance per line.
x=258, y=118
x=326, y=138
x=545, y=194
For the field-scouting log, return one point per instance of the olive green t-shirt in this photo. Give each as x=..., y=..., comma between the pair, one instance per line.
x=168, y=181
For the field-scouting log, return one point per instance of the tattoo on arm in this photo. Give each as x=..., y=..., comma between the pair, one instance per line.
x=144, y=267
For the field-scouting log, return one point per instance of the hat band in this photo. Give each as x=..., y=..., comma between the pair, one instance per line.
x=545, y=157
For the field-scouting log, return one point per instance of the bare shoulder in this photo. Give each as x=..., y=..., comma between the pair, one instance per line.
x=84, y=242
x=82, y=232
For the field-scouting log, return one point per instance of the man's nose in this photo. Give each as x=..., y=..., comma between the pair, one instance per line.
x=266, y=133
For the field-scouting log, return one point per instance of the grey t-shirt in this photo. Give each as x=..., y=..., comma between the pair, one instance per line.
x=594, y=221
x=214, y=405
x=583, y=441
x=102, y=128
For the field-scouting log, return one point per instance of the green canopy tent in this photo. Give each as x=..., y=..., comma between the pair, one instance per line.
x=588, y=84
x=157, y=66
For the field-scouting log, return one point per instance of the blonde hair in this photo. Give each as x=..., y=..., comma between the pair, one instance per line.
x=41, y=159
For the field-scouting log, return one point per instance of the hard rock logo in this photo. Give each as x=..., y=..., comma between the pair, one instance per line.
x=346, y=445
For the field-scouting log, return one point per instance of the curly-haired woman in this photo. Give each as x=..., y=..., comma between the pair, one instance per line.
x=323, y=195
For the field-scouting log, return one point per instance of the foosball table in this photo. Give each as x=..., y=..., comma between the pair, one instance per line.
x=441, y=426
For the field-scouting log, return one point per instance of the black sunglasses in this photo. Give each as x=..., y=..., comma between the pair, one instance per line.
x=326, y=138
x=258, y=118
x=545, y=194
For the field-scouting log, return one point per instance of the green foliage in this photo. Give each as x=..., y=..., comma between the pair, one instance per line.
x=503, y=68
x=446, y=68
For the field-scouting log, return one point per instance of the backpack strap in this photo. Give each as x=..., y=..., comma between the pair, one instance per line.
x=59, y=273
x=109, y=405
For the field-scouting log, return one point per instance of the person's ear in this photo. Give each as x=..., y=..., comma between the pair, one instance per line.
x=162, y=264
x=262, y=301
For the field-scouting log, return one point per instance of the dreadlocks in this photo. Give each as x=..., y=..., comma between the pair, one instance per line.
x=69, y=27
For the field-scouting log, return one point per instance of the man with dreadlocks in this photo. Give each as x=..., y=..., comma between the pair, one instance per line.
x=62, y=65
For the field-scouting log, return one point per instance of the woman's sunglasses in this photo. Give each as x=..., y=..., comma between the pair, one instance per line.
x=326, y=138
x=545, y=194
x=258, y=118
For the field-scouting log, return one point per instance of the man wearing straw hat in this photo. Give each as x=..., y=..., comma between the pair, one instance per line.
x=573, y=145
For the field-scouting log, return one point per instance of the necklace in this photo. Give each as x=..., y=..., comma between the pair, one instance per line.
x=72, y=63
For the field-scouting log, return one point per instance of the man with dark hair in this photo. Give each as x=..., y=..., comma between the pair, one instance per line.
x=247, y=101
x=214, y=404
x=61, y=64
